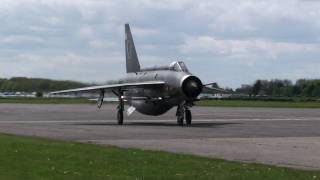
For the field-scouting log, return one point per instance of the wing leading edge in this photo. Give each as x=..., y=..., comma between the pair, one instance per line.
x=111, y=86
x=214, y=90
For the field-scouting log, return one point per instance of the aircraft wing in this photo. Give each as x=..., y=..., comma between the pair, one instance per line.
x=111, y=87
x=206, y=89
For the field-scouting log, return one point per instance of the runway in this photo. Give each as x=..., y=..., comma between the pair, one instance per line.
x=279, y=136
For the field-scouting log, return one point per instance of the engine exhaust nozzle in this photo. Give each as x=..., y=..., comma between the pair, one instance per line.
x=192, y=86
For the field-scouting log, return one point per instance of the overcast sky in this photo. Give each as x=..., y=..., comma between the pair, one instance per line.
x=230, y=42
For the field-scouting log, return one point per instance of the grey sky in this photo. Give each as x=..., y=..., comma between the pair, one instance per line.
x=230, y=42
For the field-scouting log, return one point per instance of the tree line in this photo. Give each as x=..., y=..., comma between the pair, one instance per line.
x=285, y=88
x=275, y=87
x=23, y=84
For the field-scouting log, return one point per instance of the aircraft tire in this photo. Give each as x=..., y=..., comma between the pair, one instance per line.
x=120, y=117
x=180, y=120
x=188, y=117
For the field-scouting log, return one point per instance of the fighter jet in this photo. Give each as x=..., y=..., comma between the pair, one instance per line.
x=150, y=91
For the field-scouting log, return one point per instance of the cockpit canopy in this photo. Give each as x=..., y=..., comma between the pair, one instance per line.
x=178, y=66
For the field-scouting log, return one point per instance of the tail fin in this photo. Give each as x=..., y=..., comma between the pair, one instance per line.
x=132, y=60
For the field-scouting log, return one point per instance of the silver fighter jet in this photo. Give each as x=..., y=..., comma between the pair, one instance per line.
x=150, y=91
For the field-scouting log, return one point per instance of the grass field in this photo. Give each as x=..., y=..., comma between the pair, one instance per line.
x=35, y=158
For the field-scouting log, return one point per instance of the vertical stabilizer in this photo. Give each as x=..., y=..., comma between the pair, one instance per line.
x=132, y=61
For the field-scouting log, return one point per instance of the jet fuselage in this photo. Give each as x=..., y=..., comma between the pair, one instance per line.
x=179, y=87
x=151, y=91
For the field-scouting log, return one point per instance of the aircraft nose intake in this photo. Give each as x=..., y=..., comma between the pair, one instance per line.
x=192, y=86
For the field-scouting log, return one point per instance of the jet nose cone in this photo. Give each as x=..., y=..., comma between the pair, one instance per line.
x=192, y=87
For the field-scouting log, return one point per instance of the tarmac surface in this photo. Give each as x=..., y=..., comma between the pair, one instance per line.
x=278, y=136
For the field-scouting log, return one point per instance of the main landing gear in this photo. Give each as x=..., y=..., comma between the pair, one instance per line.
x=183, y=112
x=120, y=107
x=120, y=113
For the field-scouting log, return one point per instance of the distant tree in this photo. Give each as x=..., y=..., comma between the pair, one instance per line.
x=228, y=89
x=244, y=89
x=316, y=92
x=277, y=87
x=256, y=88
x=288, y=91
x=39, y=94
x=24, y=84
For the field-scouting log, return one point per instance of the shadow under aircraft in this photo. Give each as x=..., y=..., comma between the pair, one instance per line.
x=151, y=91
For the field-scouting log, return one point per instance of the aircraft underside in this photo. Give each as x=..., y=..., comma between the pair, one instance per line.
x=153, y=108
x=183, y=112
x=155, y=102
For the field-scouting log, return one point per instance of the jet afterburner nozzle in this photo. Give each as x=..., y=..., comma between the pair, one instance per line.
x=192, y=86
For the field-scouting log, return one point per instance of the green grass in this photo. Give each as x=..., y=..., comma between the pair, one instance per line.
x=36, y=158
x=259, y=103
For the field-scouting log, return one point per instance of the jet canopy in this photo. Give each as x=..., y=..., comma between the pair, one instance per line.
x=178, y=66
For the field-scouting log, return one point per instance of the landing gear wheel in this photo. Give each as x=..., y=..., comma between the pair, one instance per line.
x=188, y=116
x=180, y=115
x=180, y=120
x=120, y=116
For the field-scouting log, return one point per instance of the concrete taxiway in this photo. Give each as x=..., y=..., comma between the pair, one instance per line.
x=280, y=136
